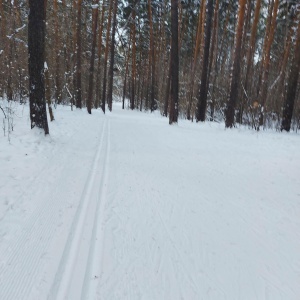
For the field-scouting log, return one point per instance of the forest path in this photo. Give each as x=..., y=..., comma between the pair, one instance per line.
x=54, y=228
x=123, y=206
x=82, y=251
x=196, y=212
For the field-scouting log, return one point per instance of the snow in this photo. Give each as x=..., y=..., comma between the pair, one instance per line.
x=124, y=206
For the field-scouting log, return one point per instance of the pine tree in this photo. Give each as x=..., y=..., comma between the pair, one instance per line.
x=94, y=41
x=202, y=98
x=236, y=67
x=36, y=51
x=292, y=85
x=173, y=117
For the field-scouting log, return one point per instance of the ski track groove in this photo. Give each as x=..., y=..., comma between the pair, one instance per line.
x=19, y=253
x=93, y=267
x=20, y=249
x=61, y=288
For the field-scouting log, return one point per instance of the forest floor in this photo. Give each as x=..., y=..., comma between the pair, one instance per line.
x=124, y=206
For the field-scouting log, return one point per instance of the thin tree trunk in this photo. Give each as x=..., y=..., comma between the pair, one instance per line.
x=133, y=72
x=57, y=78
x=78, y=57
x=196, y=53
x=235, y=76
x=202, y=99
x=151, y=56
x=288, y=107
x=92, y=62
x=112, y=57
x=167, y=94
x=3, y=44
x=125, y=81
x=106, y=57
x=250, y=53
x=173, y=117
x=213, y=57
x=98, y=78
x=266, y=65
x=48, y=93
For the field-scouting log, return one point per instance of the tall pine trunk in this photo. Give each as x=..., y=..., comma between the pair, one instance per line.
x=202, y=99
x=106, y=57
x=151, y=57
x=78, y=91
x=112, y=57
x=263, y=92
x=36, y=51
x=236, y=68
x=98, y=77
x=196, y=54
x=173, y=117
x=92, y=62
x=288, y=107
x=57, y=79
x=133, y=68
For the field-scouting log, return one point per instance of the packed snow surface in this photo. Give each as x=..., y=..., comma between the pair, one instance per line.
x=124, y=206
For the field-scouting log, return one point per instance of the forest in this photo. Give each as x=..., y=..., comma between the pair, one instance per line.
x=228, y=61
x=149, y=149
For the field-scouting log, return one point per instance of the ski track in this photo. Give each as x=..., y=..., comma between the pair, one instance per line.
x=18, y=253
x=83, y=240
x=23, y=258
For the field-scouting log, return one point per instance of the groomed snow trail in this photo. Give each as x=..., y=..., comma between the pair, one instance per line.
x=126, y=207
x=84, y=239
x=53, y=231
x=197, y=212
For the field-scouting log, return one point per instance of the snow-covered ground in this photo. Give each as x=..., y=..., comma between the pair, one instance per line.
x=124, y=206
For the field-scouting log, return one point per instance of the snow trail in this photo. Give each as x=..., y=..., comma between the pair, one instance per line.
x=79, y=251
x=126, y=207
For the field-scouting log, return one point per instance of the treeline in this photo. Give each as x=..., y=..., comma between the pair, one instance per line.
x=238, y=61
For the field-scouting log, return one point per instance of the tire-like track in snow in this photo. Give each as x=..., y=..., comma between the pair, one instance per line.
x=81, y=260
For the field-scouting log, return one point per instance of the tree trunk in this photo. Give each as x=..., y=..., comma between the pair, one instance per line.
x=112, y=57
x=251, y=48
x=288, y=107
x=235, y=75
x=36, y=51
x=202, y=99
x=167, y=94
x=92, y=62
x=57, y=79
x=196, y=53
x=266, y=64
x=78, y=57
x=125, y=81
x=173, y=117
x=106, y=57
x=213, y=57
x=151, y=57
x=98, y=78
x=133, y=73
